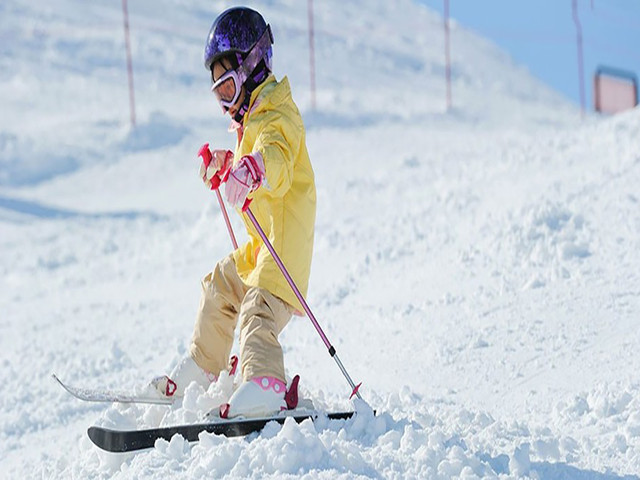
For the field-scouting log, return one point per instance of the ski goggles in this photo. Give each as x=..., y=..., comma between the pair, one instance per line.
x=227, y=88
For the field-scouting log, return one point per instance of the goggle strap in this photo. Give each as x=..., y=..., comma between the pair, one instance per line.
x=258, y=51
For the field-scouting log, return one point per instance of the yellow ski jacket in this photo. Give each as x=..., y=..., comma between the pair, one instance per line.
x=285, y=205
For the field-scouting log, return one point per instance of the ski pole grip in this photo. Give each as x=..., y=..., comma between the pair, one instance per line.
x=206, y=155
x=246, y=205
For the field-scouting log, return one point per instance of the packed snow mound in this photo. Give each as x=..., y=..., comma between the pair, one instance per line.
x=476, y=269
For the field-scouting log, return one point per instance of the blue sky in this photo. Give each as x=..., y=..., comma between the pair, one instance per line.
x=541, y=34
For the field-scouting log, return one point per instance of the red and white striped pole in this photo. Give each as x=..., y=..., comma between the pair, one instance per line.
x=127, y=42
x=447, y=53
x=576, y=20
x=312, y=55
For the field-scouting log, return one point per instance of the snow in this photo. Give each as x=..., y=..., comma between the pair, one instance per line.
x=476, y=269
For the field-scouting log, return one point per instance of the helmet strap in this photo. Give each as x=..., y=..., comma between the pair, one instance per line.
x=239, y=116
x=254, y=59
x=256, y=54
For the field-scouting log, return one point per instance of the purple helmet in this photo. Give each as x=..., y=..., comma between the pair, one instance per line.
x=237, y=30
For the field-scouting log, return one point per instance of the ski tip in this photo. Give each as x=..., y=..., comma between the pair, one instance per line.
x=104, y=439
x=96, y=435
x=91, y=431
x=57, y=379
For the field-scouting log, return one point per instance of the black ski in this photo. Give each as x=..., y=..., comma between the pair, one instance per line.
x=131, y=440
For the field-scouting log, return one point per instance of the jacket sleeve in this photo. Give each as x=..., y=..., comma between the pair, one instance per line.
x=278, y=142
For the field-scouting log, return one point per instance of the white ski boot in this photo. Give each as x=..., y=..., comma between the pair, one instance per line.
x=183, y=374
x=258, y=397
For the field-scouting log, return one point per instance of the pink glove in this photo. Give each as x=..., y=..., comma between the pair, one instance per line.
x=244, y=178
x=215, y=166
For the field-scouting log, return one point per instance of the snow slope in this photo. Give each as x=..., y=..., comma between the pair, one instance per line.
x=476, y=269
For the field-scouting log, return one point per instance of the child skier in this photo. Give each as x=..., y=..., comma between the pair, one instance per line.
x=270, y=168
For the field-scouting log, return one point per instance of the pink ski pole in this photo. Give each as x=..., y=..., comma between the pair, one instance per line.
x=332, y=351
x=226, y=219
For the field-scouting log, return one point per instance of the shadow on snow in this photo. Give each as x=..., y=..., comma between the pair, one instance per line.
x=39, y=210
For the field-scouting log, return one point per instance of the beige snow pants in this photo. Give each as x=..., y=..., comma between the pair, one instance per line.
x=262, y=316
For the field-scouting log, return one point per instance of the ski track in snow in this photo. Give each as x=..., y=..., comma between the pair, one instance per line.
x=477, y=269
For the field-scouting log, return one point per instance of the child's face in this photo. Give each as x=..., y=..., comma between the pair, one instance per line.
x=219, y=68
